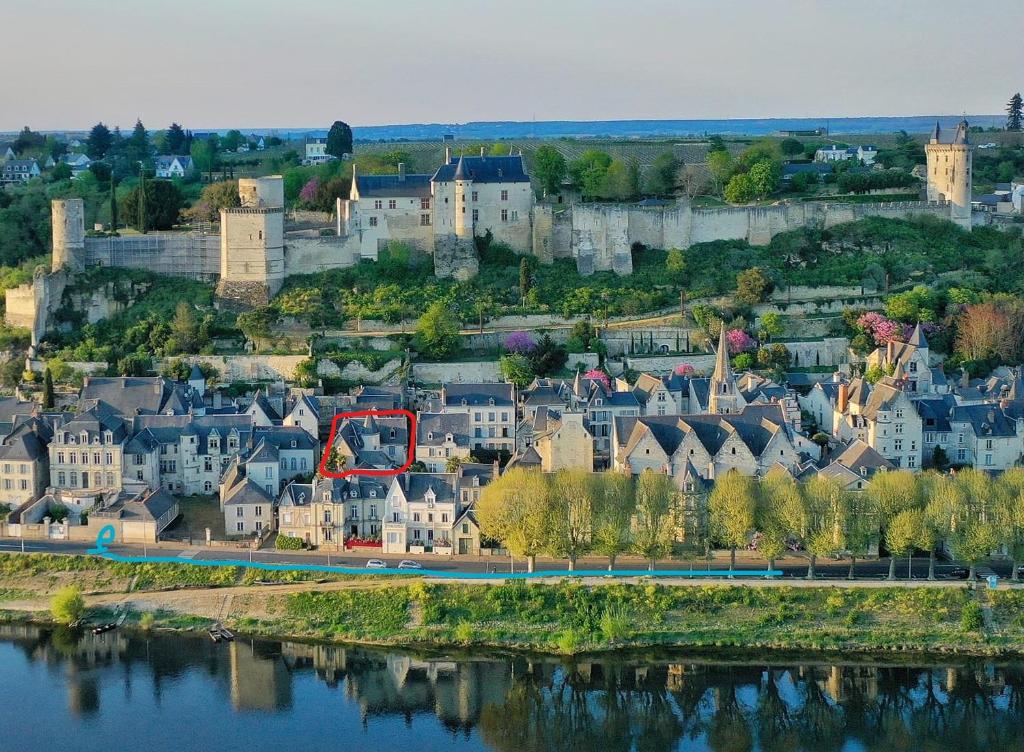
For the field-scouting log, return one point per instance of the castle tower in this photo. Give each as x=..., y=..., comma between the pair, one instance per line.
x=949, y=172
x=68, y=216
x=463, y=210
x=723, y=393
x=252, y=242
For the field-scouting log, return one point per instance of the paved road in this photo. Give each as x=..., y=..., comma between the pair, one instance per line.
x=792, y=568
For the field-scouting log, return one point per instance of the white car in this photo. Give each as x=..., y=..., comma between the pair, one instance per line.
x=376, y=564
x=409, y=564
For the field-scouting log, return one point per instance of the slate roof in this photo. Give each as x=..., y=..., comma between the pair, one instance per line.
x=24, y=443
x=935, y=413
x=129, y=395
x=393, y=186
x=861, y=459
x=478, y=395
x=988, y=421
x=416, y=485
x=433, y=428
x=97, y=419
x=148, y=506
x=506, y=169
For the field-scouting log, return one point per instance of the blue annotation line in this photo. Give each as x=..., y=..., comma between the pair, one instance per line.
x=108, y=535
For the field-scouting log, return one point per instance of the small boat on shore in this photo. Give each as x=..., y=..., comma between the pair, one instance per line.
x=219, y=634
x=100, y=629
x=214, y=634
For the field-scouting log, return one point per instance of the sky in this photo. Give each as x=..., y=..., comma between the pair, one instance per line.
x=305, y=63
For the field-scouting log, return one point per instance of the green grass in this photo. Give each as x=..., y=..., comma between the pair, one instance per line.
x=149, y=576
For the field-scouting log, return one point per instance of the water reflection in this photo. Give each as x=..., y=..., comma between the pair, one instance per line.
x=517, y=704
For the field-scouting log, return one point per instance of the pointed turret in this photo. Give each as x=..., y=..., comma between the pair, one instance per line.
x=369, y=424
x=961, y=136
x=723, y=369
x=917, y=339
x=461, y=173
x=936, y=133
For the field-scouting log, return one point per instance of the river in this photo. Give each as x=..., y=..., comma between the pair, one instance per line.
x=124, y=691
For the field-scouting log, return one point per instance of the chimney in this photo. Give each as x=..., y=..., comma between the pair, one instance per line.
x=447, y=154
x=842, y=397
x=401, y=172
x=890, y=350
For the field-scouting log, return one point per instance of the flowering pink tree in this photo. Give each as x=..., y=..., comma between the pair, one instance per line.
x=308, y=192
x=684, y=369
x=520, y=343
x=739, y=341
x=597, y=375
x=880, y=328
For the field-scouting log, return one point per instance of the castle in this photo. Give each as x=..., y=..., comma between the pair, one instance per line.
x=441, y=214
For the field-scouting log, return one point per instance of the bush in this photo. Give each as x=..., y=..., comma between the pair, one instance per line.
x=147, y=621
x=970, y=617
x=68, y=605
x=288, y=543
x=464, y=632
x=615, y=623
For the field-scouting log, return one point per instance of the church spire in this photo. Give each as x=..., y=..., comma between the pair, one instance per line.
x=723, y=370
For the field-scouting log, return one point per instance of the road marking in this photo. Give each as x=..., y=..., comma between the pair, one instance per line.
x=187, y=554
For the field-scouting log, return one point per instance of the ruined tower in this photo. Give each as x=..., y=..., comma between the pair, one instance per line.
x=252, y=242
x=949, y=172
x=68, y=217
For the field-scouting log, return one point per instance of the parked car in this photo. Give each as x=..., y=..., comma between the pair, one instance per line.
x=376, y=564
x=959, y=573
x=409, y=564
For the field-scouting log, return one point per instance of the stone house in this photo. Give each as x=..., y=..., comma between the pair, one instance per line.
x=491, y=409
x=136, y=518
x=751, y=442
x=883, y=416
x=248, y=490
x=379, y=442
x=986, y=437
x=441, y=436
x=173, y=166
x=327, y=511
x=87, y=449
x=19, y=170
x=910, y=361
x=24, y=462
x=555, y=439
x=854, y=467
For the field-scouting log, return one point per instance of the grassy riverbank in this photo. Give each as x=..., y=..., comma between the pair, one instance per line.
x=565, y=617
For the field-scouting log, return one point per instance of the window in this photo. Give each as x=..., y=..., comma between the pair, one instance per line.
x=425, y=220
x=61, y=480
x=476, y=215
x=476, y=195
x=60, y=457
x=268, y=472
x=515, y=215
x=392, y=204
x=504, y=215
x=465, y=528
x=240, y=527
x=378, y=204
x=109, y=458
x=424, y=204
x=239, y=512
x=504, y=195
x=207, y=487
x=373, y=221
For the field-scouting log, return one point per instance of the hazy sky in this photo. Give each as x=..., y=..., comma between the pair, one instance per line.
x=305, y=63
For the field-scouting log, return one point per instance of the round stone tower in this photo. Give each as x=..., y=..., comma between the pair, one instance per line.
x=463, y=207
x=68, y=220
x=949, y=172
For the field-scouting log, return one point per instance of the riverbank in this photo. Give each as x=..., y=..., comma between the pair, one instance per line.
x=553, y=617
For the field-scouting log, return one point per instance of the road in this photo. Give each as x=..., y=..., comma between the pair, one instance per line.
x=791, y=567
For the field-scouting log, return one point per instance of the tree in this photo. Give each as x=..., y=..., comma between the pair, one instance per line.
x=942, y=497
x=62, y=171
x=1009, y=515
x=771, y=325
x=791, y=147
x=664, y=174
x=903, y=533
x=136, y=147
x=232, y=140
x=514, y=509
x=753, y=286
x=588, y=172
x=174, y=139
x=824, y=509
x=99, y=141
x=161, y=202
x=779, y=513
x=732, y=510
x=764, y=177
x=613, y=508
x=654, y=516
x=549, y=168
x=437, y=333
x=621, y=182
x=740, y=189
x=675, y=265
x=1014, y=110
x=989, y=330
x=47, y=389
x=257, y=324
x=184, y=329
x=721, y=166
x=572, y=500
x=67, y=605
x=525, y=277
x=516, y=369
x=339, y=139
x=548, y=356
x=215, y=196
x=893, y=492
x=204, y=155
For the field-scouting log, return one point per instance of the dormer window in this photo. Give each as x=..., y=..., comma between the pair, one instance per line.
x=430, y=435
x=85, y=437
x=490, y=401
x=373, y=493
x=354, y=492
x=327, y=495
x=302, y=497
x=293, y=444
x=449, y=438
x=463, y=402
x=109, y=437
x=392, y=433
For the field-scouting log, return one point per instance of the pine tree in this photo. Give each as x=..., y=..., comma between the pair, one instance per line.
x=1014, y=112
x=524, y=277
x=99, y=141
x=47, y=389
x=175, y=139
x=113, y=204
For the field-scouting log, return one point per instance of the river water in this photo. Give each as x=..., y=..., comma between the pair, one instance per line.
x=123, y=691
